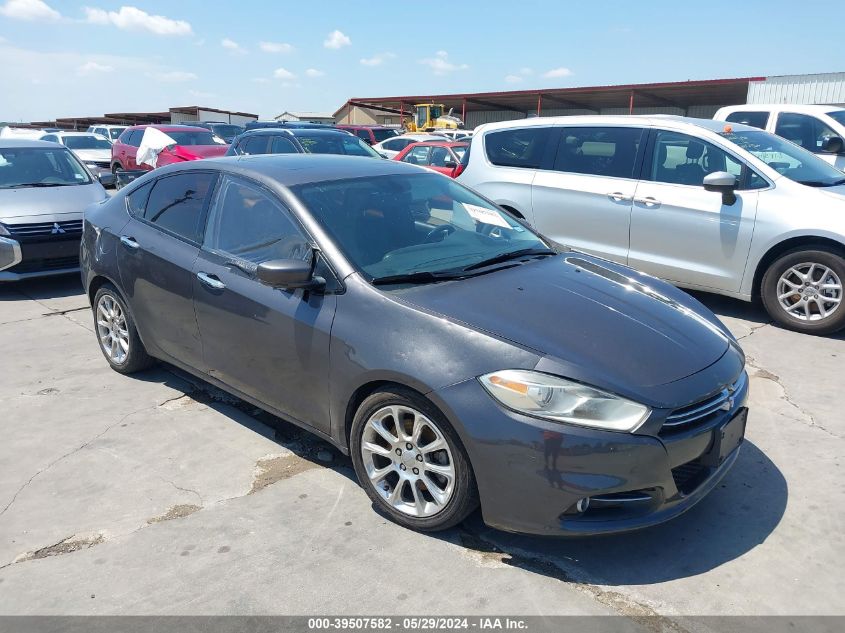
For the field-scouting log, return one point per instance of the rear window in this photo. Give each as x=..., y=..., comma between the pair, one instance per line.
x=382, y=135
x=179, y=204
x=522, y=147
x=195, y=138
x=598, y=151
x=754, y=119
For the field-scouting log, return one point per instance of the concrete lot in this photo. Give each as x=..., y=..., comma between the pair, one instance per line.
x=158, y=495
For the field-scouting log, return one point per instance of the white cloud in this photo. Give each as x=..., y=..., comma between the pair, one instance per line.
x=513, y=79
x=337, y=39
x=172, y=76
x=232, y=46
x=557, y=72
x=275, y=47
x=89, y=68
x=313, y=72
x=134, y=19
x=377, y=60
x=283, y=73
x=441, y=65
x=29, y=10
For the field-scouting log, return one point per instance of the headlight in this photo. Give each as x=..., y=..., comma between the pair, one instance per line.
x=562, y=400
x=3, y=230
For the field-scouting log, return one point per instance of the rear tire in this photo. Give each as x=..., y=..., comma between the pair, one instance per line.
x=116, y=333
x=412, y=493
x=802, y=290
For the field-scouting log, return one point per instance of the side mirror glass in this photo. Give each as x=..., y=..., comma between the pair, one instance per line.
x=833, y=145
x=724, y=183
x=289, y=274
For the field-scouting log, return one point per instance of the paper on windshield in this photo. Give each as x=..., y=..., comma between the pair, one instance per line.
x=152, y=143
x=485, y=216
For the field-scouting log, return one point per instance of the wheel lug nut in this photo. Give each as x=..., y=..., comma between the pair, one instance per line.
x=416, y=471
x=419, y=458
x=402, y=467
x=409, y=446
x=399, y=451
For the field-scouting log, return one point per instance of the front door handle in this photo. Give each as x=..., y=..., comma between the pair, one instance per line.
x=618, y=196
x=211, y=281
x=648, y=201
x=129, y=242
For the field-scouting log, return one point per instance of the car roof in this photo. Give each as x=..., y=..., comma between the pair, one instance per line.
x=68, y=133
x=809, y=108
x=266, y=131
x=440, y=144
x=171, y=128
x=15, y=143
x=315, y=131
x=295, y=169
x=676, y=122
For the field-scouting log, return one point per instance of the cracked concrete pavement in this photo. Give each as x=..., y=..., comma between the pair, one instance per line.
x=157, y=494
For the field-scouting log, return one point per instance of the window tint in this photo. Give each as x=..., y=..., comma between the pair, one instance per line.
x=838, y=116
x=253, y=226
x=114, y=132
x=179, y=203
x=686, y=160
x=418, y=155
x=806, y=131
x=363, y=134
x=440, y=156
x=137, y=200
x=754, y=119
x=600, y=151
x=522, y=147
x=135, y=138
x=254, y=145
x=51, y=138
x=282, y=145
x=396, y=145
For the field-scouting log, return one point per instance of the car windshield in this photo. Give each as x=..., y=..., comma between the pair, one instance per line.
x=383, y=135
x=85, y=142
x=415, y=224
x=195, y=138
x=40, y=167
x=787, y=158
x=227, y=132
x=838, y=116
x=115, y=132
x=338, y=143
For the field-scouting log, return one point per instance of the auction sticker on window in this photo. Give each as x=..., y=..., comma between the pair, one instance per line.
x=485, y=216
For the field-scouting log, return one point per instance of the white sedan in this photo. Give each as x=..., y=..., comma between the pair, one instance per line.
x=92, y=149
x=392, y=146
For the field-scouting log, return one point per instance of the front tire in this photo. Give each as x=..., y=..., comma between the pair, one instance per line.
x=116, y=333
x=411, y=462
x=803, y=290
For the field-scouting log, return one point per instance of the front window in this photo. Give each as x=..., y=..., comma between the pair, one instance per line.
x=459, y=151
x=116, y=132
x=383, y=135
x=415, y=224
x=86, y=142
x=227, y=132
x=838, y=116
x=787, y=158
x=195, y=138
x=681, y=159
x=36, y=167
x=344, y=144
x=804, y=130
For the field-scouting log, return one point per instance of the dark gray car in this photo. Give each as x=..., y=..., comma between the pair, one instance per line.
x=458, y=356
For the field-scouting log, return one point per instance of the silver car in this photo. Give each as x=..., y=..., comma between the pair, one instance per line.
x=707, y=205
x=44, y=190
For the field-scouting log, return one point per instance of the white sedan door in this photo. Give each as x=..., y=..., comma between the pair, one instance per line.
x=679, y=231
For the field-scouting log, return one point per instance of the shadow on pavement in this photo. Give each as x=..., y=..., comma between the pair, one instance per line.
x=732, y=520
x=44, y=288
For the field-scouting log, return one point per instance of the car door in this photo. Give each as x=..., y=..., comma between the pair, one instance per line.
x=419, y=155
x=442, y=160
x=267, y=343
x=683, y=233
x=584, y=200
x=158, y=248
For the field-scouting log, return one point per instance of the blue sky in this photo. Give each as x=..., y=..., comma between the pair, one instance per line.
x=64, y=58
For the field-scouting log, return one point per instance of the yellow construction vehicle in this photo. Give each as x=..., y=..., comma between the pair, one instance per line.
x=429, y=117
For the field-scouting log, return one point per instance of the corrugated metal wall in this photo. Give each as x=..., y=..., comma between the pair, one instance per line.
x=825, y=88
x=474, y=119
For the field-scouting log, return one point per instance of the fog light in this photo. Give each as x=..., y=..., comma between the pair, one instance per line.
x=582, y=505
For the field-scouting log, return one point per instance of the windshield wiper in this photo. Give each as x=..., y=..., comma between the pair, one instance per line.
x=820, y=183
x=37, y=184
x=505, y=257
x=421, y=277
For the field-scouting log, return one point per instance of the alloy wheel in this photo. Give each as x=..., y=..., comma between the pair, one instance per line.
x=112, y=329
x=809, y=291
x=408, y=461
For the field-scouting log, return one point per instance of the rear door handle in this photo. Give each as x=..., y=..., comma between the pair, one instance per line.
x=211, y=281
x=618, y=196
x=648, y=201
x=129, y=242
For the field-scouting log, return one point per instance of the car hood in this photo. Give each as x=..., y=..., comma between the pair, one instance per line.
x=33, y=204
x=600, y=318
x=93, y=154
x=835, y=192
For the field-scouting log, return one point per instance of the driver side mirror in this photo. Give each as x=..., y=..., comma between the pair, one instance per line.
x=833, y=145
x=289, y=274
x=724, y=183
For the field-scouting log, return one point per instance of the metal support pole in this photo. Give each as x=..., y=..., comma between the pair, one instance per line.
x=631, y=103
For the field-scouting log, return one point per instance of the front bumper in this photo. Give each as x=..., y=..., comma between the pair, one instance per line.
x=531, y=473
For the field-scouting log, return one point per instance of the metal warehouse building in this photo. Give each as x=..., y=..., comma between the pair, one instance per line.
x=688, y=98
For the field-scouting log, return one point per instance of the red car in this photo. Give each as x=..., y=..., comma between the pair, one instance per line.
x=371, y=134
x=442, y=156
x=192, y=143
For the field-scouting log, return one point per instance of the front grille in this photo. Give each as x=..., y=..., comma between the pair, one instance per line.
x=41, y=265
x=103, y=164
x=689, y=476
x=42, y=229
x=704, y=410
